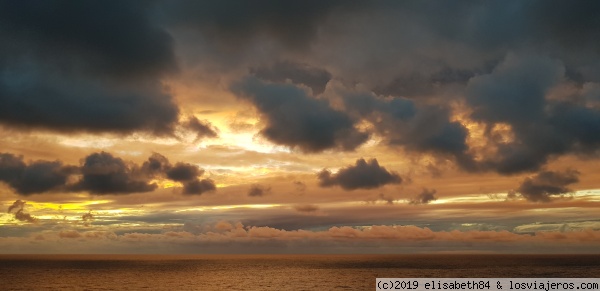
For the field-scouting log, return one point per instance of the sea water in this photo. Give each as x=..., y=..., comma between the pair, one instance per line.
x=271, y=272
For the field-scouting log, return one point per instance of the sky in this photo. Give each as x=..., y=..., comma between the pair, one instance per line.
x=299, y=126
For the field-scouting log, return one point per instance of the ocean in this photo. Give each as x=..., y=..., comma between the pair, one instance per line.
x=271, y=272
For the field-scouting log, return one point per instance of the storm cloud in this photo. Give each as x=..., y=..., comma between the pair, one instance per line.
x=363, y=175
x=516, y=94
x=295, y=119
x=86, y=74
x=418, y=128
x=312, y=77
x=234, y=24
x=66, y=68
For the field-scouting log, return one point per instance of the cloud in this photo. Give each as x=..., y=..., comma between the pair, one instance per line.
x=130, y=32
x=22, y=216
x=293, y=25
x=258, y=190
x=294, y=119
x=226, y=237
x=102, y=173
x=297, y=73
x=516, y=94
x=105, y=174
x=543, y=185
x=69, y=234
x=306, y=208
x=183, y=172
x=418, y=128
x=424, y=197
x=84, y=74
x=363, y=175
x=17, y=204
x=197, y=187
x=156, y=165
x=388, y=199
x=19, y=214
x=99, y=173
x=299, y=186
x=34, y=177
x=87, y=217
x=188, y=174
x=202, y=129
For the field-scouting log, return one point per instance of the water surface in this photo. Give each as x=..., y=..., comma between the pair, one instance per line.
x=270, y=272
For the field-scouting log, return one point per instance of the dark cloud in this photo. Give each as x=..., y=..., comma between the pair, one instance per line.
x=304, y=74
x=297, y=120
x=22, y=216
x=300, y=186
x=511, y=195
x=159, y=166
x=99, y=173
x=19, y=214
x=188, y=175
x=431, y=130
x=426, y=128
x=105, y=174
x=570, y=25
x=419, y=84
x=129, y=45
x=156, y=165
x=87, y=217
x=388, y=199
x=374, y=107
x=434, y=170
x=30, y=98
x=197, y=187
x=93, y=67
x=424, y=197
x=543, y=185
x=515, y=93
x=18, y=204
x=34, y=177
x=202, y=129
x=183, y=172
x=102, y=173
x=100, y=69
x=258, y=190
x=363, y=175
x=306, y=208
x=233, y=24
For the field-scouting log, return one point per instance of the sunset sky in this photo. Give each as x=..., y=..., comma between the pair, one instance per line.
x=299, y=126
